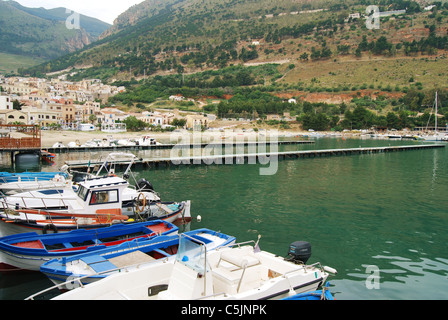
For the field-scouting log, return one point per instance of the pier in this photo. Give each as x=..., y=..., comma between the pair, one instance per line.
x=249, y=158
x=29, y=140
x=170, y=146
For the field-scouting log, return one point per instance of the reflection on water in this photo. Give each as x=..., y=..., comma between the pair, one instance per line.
x=399, y=278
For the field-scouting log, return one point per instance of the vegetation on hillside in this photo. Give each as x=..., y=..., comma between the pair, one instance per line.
x=198, y=48
x=190, y=35
x=254, y=100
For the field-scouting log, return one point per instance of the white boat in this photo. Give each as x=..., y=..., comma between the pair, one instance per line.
x=59, y=181
x=73, y=144
x=58, y=145
x=436, y=136
x=40, y=209
x=243, y=272
x=96, y=199
x=146, y=141
x=95, y=265
x=126, y=142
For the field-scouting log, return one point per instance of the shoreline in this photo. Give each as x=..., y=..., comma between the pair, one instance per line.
x=50, y=137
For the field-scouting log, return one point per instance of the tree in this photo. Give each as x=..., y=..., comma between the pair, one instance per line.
x=313, y=121
x=178, y=122
x=381, y=45
x=393, y=122
x=133, y=124
x=92, y=118
x=304, y=56
x=17, y=105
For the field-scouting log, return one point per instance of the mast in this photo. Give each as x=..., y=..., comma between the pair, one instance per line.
x=436, y=113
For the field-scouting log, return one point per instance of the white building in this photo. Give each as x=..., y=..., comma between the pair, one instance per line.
x=156, y=118
x=111, y=115
x=5, y=103
x=176, y=98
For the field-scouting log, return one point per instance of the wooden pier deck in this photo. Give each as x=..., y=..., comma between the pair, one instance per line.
x=170, y=146
x=251, y=158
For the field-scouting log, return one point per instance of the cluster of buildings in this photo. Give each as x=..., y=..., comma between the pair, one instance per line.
x=73, y=105
x=52, y=102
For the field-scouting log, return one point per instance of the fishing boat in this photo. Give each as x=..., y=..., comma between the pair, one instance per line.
x=97, y=200
x=19, y=220
x=242, y=272
x=27, y=251
x=96, y=203
x=127, y=257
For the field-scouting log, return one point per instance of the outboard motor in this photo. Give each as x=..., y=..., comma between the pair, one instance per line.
x=299, y=252
x=79, y=176
x=144, y=185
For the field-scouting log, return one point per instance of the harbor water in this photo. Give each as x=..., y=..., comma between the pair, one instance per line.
x=379, y=219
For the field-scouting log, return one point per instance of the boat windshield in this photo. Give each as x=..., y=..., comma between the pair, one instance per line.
x=191, y=253
x=82, y=192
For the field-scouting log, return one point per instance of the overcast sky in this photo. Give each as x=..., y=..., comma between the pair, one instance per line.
x=105, y=10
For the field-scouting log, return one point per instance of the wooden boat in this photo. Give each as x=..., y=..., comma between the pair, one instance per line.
x=27, y=251
x=97, y=201
x=21, y=220
x=242, y=272
x=132, y=255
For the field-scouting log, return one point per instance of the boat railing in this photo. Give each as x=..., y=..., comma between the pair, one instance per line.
x=303, y=267
x=239, y=244
x=19, y=187
x=214, y=295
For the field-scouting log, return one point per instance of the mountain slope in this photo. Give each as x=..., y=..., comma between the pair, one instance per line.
x=41, y=33
x=185, y=36
x=92, y=26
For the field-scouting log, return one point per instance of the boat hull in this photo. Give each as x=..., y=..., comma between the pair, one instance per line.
x=136, y=284
x=29, y=251
x=80, y=266
x=9, y=225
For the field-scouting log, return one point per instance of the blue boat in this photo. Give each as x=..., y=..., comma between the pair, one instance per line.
x=323, y=294
x=29, y=176
x=28, y=251
x=93, y=266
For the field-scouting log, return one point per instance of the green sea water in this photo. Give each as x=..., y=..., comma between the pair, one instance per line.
x=379, y=219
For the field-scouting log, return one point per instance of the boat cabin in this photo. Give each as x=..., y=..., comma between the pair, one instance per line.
x=104, y=193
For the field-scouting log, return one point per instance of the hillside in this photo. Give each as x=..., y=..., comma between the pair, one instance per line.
x=42, y=34
x=245, y=58
x=186, y=36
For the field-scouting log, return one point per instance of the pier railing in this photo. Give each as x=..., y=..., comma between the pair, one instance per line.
x=32, y=141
